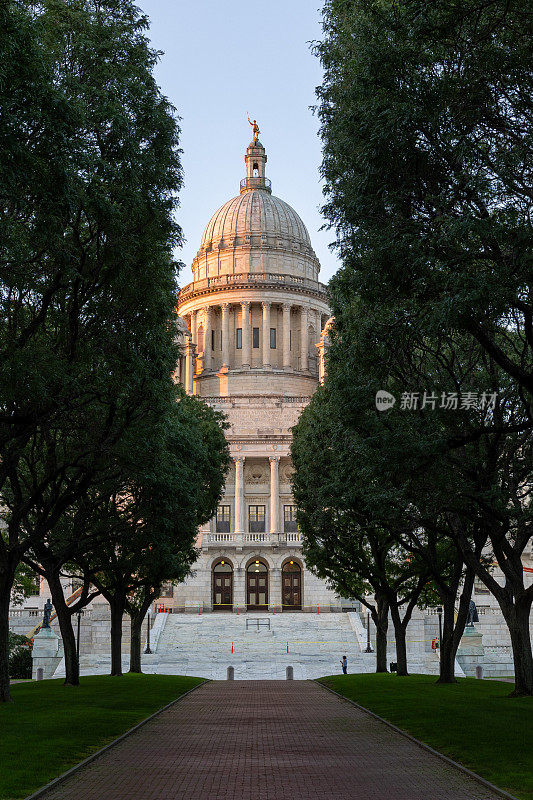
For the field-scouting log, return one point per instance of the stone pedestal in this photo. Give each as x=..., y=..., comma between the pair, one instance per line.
x=46, y=653
x=470, y=651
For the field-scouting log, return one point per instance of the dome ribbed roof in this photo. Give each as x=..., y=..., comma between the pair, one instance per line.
x=254, y=212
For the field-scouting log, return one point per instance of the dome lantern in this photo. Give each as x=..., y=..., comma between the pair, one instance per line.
x=255, y=160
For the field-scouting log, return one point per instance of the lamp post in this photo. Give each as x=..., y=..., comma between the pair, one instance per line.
x=368, y=645
x=439, y=612
x=79, y=615
x=147, y=650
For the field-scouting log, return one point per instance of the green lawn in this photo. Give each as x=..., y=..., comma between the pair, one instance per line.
x=474, y=722
x=51, y=727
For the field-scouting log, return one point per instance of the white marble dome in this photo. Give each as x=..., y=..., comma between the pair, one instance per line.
x=255, y=232
x=255, y=212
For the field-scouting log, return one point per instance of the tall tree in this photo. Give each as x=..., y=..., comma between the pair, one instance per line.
x=171, y=481
x=345, y=539
x=448, y=467
x=426, y=124
x=89, y=173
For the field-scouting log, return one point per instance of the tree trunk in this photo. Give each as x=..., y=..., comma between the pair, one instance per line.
x=135, y=642
x=6, y=584
x=381, y=621
x=517, y=619
x=117, y=610
x=400, y=636
x=446, y=644
x=72, y=667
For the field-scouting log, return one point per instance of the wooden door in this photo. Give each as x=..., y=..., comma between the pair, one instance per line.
x=222, y=591
x=292, y=587
x=257, y=586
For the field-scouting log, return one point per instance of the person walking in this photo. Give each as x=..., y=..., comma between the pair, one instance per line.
x=344, y=664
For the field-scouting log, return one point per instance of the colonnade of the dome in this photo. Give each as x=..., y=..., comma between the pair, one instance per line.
x=248, y=335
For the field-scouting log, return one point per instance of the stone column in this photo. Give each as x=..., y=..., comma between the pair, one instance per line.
x=266, y=335
x=225, y=334
x=287, y=336
x=246, y=336
x=304, y=338
x=208, y=353
x=274, y=494
x=239, y=494
x=194, y=339
x=321, y=360
x=189, y=366
x=194, y=326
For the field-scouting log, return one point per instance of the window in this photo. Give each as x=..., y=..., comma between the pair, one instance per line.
x=212, y=340
x=272, y=338
x=255, y=337
x=289, y=519
x=223, y=519
x=479, y=587
x=256, y=519
x=238, y=340
x=167, y=590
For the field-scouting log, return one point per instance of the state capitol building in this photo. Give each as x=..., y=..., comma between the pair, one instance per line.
x=253, y=325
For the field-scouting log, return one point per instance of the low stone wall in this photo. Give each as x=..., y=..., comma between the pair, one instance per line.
x=95, y=627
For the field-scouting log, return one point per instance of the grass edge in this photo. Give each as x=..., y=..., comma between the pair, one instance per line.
x=64, y=775
x=418, y=742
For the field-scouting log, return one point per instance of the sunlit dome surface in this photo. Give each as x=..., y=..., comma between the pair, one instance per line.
x=255, y=212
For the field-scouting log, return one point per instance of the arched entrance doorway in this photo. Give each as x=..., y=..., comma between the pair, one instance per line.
x=257, y=586
x=291, y=586
x=222, y=586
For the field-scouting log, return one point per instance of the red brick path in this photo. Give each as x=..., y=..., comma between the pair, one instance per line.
x=267, y=740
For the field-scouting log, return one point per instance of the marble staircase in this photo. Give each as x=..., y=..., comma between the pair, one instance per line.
x=187, y=644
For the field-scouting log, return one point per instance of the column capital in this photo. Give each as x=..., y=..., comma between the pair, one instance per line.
x=266, y=303
x=245, y=303
x=225, y=306
x=286, y=306
x=239, y=458
x=273, y=459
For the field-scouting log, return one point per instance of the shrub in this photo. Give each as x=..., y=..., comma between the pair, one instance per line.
x=20, y=663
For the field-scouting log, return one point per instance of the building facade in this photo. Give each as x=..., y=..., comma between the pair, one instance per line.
x=253, y=326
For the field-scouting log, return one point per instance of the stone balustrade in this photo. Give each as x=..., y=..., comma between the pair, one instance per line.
x=243, y=539
x=255, y=279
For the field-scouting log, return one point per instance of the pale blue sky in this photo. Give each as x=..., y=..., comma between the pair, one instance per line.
x=222, y=59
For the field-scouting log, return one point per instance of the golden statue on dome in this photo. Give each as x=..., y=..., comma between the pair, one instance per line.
x=255, y=129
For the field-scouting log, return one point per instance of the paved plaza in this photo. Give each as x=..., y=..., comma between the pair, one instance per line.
x=267, y=740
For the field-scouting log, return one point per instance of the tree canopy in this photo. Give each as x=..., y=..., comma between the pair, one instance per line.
x=425, y=113
x=89, y=174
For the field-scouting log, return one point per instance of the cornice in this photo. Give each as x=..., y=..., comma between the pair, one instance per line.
x=186, y=294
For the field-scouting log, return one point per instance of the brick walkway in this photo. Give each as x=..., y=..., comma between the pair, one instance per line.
x=267, y=740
